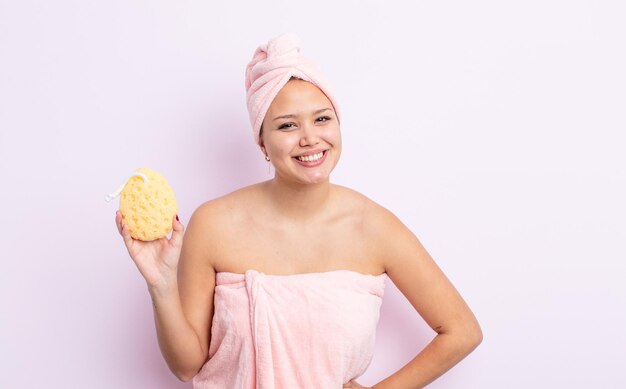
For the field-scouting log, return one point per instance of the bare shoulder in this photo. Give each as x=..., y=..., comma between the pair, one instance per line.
x=373, y=214
x=199, y=259
x=414, y=272
x=351, y=200
x=220, y=219
x=387, y=237
x=208, y=230
x=227, y=207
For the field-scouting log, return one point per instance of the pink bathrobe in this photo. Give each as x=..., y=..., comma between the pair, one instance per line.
x=309, y=330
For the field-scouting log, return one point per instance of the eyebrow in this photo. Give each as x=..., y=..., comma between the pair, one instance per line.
x=292, y=115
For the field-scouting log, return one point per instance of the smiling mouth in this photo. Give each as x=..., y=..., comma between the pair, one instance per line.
x=311, y=158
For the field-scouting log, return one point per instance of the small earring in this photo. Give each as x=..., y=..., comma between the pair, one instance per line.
x=267, y=157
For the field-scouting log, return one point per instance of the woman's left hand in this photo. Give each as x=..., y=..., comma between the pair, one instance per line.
x=355, y=385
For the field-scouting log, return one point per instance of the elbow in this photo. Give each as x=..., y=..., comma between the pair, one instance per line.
x=185, y=376
x=473, y=337
x=186, y=373
x=478, y=339
x=465, y=337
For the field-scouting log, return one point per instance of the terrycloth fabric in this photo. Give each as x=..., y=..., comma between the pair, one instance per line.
x=270, y=69
x=309, y=330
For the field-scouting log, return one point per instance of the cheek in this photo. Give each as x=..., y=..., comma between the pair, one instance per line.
x=333, y=136
x=282, y=144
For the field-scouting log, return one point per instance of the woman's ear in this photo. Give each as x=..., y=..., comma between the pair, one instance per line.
x=261, y=143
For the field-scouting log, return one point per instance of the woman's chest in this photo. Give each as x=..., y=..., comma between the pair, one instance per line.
x=283, y=249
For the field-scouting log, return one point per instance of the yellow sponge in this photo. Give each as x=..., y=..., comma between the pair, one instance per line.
x=148, y=205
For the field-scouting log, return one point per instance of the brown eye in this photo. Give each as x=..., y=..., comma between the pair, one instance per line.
x=327, y=118
x=286, y=126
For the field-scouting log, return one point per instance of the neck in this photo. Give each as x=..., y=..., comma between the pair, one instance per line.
x=299, y=202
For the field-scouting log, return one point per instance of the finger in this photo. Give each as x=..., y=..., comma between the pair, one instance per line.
x=126, y=235
x=118, y=221
x=178, y=230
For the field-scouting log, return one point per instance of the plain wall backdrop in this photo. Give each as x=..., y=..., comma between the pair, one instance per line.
x=494, y=130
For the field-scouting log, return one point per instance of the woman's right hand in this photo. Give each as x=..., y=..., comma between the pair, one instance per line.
x=156, y=260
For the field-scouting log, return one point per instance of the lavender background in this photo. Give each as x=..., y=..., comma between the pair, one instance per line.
x=494, y=130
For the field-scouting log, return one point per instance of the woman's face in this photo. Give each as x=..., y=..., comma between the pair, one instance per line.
x=301, y=133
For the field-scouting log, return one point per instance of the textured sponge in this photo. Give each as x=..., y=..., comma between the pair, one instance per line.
x=148, y=207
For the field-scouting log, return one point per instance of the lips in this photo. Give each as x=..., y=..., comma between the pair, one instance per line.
x=312, y=159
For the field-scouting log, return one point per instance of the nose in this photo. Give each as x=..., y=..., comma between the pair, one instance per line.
x=309, y=135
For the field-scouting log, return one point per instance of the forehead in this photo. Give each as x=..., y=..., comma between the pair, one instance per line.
x=298, y=92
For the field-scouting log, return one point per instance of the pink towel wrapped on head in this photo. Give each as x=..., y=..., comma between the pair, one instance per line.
x=271, y=67
x=309, y=330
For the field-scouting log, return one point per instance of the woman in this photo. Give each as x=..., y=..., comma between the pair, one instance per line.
x=278, y=284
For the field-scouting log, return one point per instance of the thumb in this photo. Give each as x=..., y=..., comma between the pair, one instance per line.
x=178, y=230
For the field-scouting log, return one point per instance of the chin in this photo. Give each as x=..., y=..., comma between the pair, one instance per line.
x=309, y=178
x=319, y=180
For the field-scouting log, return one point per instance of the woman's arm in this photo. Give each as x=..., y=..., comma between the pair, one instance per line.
x=180, y=344
x=422, y=282
x=183, y=308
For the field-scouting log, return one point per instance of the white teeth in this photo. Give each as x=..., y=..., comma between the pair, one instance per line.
x=311, y=158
